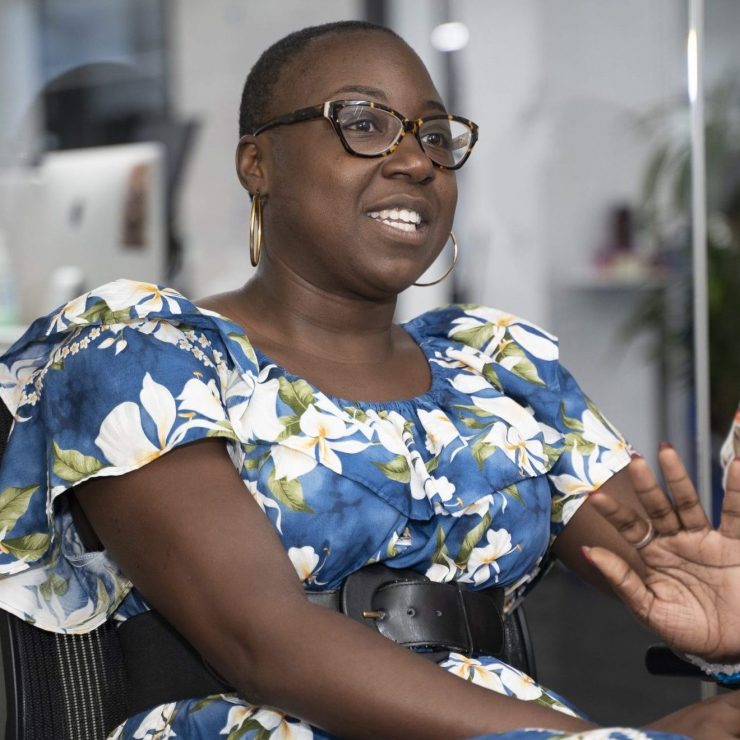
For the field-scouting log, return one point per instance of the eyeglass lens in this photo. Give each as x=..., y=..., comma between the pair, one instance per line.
x=372, y=131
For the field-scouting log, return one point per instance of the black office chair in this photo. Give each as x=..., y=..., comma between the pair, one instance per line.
x=79, y=687
x=59, y=687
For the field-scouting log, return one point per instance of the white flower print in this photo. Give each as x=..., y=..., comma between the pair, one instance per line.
x=272, y=720
x=264, y=502
x=253, y=406
x=143, y=297
x=69, y=313
x=483, y=559
x=156, y=724
x=236, y=717
x=473, y=670
x=595, y=430
x=162, y=330
x=587, y=478
x=304, y=561
x=520, y=685
x=480, y=506
x=527, y=453
x=440, y=430
x=442, y=573
x=124, y=424
x=469, y=384
x=202, y=398
x=463, y=356
x=321, y=440
x=13, y=379
x=543, y=347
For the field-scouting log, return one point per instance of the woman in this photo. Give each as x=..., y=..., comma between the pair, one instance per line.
x=141, y=418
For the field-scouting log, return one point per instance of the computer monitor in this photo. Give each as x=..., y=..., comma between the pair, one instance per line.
x=100, y=210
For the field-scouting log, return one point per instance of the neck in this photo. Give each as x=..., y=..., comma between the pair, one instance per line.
x=279, y=306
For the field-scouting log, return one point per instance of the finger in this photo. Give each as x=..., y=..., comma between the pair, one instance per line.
x=656, y=503
x=685, y=499
x=729, y=523
x=626, y=583
x=631, y=525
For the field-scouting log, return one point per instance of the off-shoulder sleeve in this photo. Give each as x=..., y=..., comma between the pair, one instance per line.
x=102, y=400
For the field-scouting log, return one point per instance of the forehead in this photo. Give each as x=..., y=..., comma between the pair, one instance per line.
x=331, y=67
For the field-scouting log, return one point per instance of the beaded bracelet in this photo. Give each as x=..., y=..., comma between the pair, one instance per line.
x=727, y=674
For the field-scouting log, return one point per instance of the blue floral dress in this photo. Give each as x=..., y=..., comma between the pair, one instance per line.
x=470, y=481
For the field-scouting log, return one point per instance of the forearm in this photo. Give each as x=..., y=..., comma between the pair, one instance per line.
x=339, y=675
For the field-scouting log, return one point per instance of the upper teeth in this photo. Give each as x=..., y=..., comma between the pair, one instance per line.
x=396, y=214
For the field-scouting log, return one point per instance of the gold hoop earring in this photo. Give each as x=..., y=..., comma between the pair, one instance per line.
x=449, y=269
x=255, y=228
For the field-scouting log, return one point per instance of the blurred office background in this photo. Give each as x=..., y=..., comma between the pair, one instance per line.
x=574, y=209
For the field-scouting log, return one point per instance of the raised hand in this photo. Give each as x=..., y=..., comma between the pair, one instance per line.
x=689, y=590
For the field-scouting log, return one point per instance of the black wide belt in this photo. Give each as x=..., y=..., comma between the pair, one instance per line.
x=432, y=618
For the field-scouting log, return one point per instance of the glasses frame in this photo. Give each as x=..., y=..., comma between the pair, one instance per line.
x=330, y=110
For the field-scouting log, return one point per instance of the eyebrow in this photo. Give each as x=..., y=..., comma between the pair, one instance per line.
x=375, y=92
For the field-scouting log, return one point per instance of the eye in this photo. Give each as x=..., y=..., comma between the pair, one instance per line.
x=361, y=125
x=436, y=139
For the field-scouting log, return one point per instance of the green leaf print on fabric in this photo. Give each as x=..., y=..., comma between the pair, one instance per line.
x=475, y=336
x=523, y=367
x=28, y=548
x=397, y=468
x=54, y=584
x=221, y=429
x=490, y=374
x=73, y=466
x=101, y=312
x=513, y=491
x=288, y=493
x=297, y=394
x=441, y=554
x=291, y=426
x=481, y=451
x=574, y=424
x=13, y=505
x=246, y=347
x=472, y=538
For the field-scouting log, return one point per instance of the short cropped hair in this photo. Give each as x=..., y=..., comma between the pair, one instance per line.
x=262, y=79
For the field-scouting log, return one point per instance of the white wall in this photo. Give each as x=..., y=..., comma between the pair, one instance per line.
x=557, y=87
x=215, y=45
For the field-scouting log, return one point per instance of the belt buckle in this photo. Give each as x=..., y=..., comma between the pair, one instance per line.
x=358, y=599
x=359, y=589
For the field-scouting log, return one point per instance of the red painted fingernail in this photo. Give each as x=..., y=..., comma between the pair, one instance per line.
x=665, y=446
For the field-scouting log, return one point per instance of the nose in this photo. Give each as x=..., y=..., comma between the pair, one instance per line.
x=409, y=160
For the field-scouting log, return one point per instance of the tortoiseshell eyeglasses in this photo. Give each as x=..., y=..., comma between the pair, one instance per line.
x=368, y=129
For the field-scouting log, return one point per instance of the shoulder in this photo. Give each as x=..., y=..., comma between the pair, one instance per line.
x=483, y=326
x=120, y=325
x=492, y=336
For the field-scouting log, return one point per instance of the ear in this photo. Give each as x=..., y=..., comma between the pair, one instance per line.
x=250, y=160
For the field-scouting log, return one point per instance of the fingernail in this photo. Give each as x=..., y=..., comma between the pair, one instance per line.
x=586, y=552
x=637, y=456
x=665, y=446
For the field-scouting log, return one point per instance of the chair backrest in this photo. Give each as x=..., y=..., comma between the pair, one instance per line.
x=58, y=686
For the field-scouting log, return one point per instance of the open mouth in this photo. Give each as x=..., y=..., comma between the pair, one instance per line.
x=401, y=219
